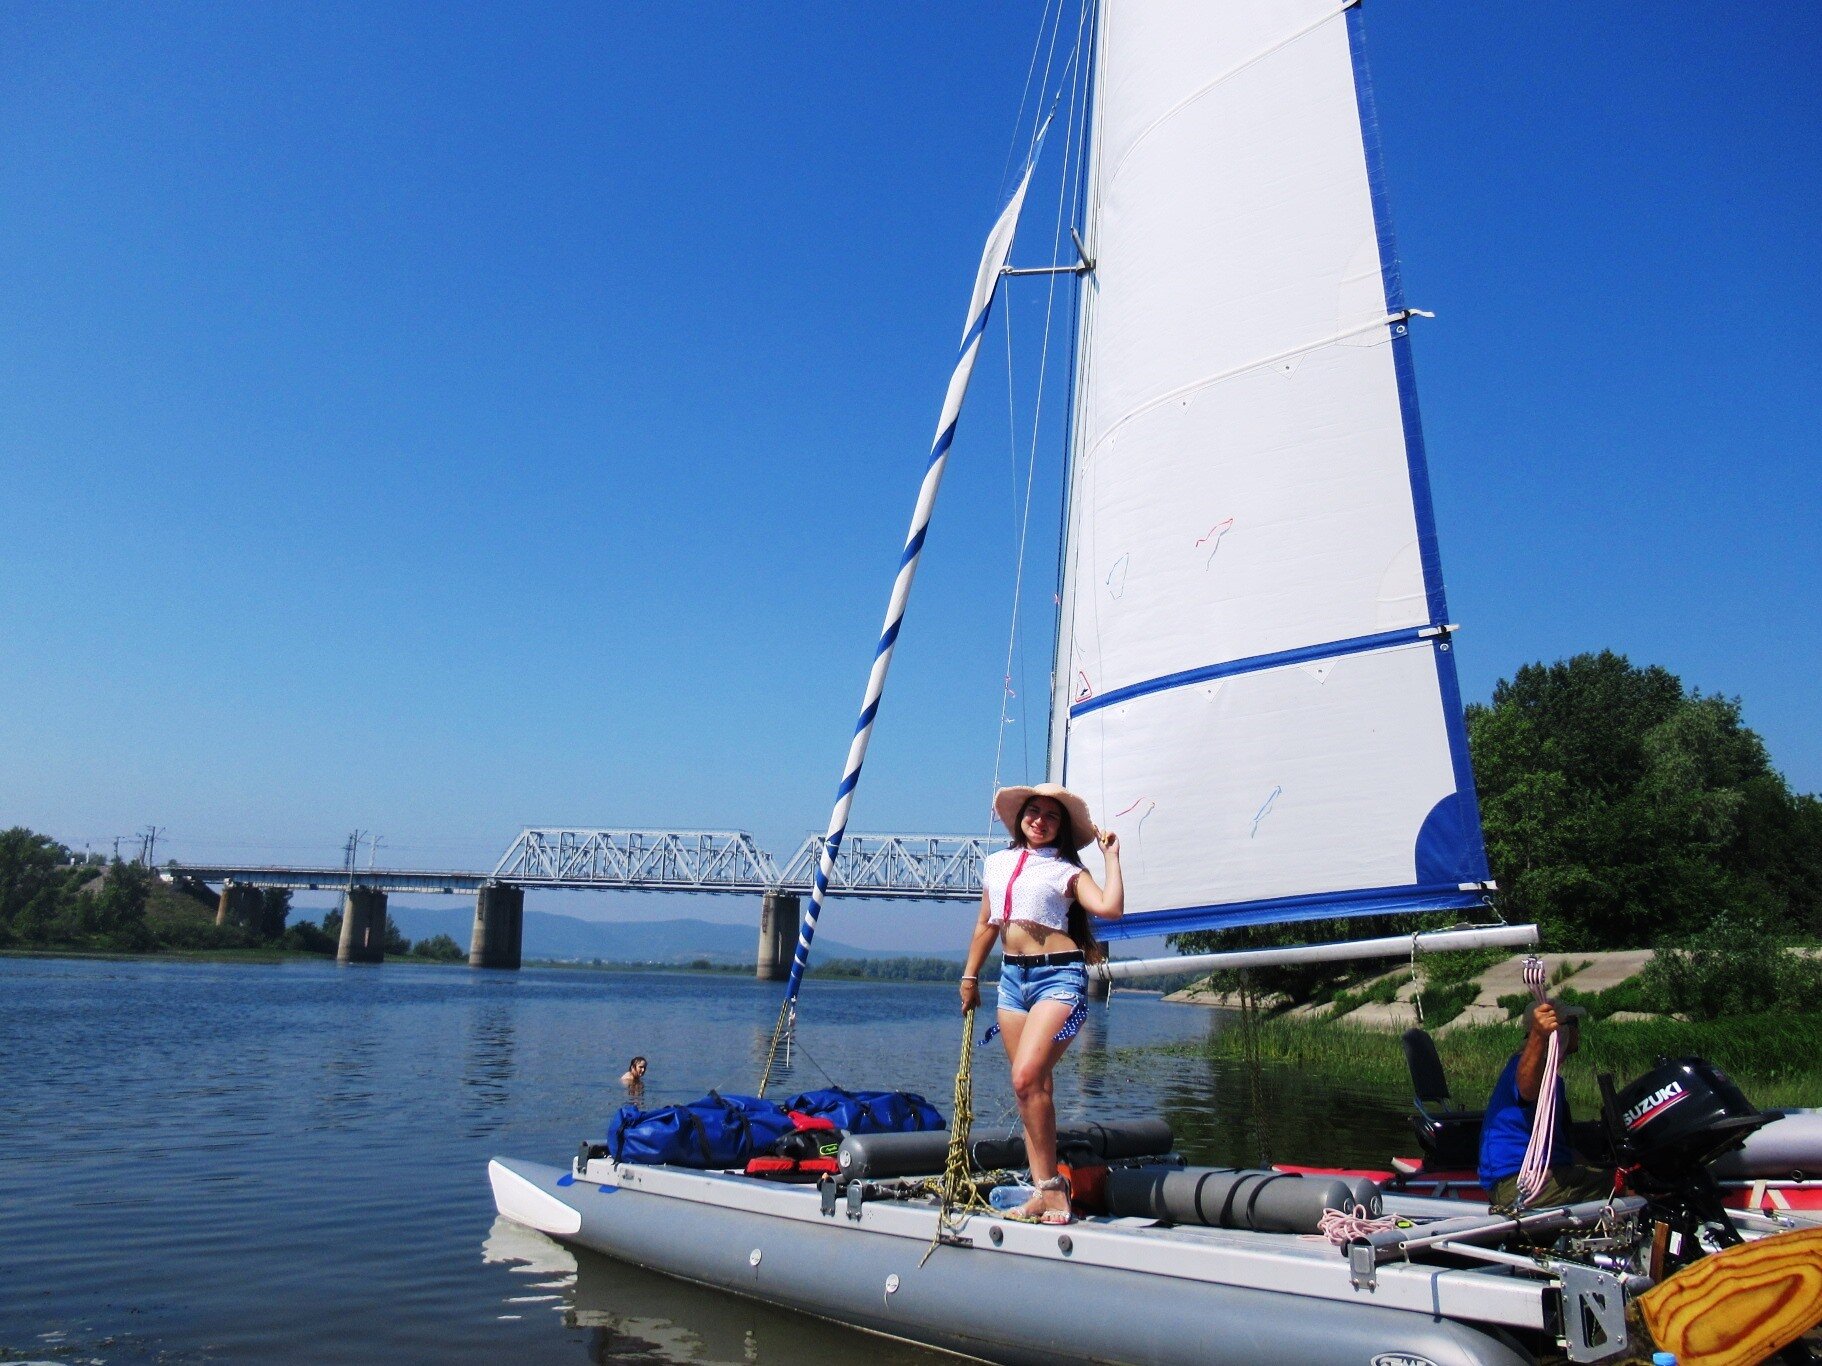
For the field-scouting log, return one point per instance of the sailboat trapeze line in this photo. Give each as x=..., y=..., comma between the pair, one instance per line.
x=1395, y=320
x=1303, y=654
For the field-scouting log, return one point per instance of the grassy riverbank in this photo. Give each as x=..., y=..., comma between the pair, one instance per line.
x=1776, y=1058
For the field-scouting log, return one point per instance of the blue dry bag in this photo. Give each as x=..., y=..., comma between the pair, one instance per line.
x=869, y=1112
x=716, y=1131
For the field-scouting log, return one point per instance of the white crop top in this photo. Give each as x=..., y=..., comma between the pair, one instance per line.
x=1039, y=883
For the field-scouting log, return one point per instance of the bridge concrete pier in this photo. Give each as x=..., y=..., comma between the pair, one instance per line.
x=1099, y=988
x=363, y=926
x=236, y=904
x=778, y=914
x=499, y=926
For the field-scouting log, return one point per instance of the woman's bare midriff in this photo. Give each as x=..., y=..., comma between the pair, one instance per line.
x=1024, y=937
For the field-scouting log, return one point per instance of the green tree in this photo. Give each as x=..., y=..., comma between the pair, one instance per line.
x=395, y=942
x=32, y=884
x=1620, y=807
x=274, y=909
x=440, y=948
x=112, y=915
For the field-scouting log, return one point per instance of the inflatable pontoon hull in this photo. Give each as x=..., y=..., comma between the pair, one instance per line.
x=1118, y=1291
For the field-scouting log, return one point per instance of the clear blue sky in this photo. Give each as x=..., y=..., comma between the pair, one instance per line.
x=437, y=419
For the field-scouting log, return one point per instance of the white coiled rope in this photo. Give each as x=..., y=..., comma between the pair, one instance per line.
x=1535, y=1170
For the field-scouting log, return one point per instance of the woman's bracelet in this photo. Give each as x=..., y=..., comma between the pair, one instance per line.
x=970, y=979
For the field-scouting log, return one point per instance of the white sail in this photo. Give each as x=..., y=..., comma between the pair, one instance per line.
x=1254, y=683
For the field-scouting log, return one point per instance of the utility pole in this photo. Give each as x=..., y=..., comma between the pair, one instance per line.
x=149, y=843
x=373, y=849
x=351, y=852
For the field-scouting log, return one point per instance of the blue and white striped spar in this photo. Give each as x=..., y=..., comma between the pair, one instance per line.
x=986, y=282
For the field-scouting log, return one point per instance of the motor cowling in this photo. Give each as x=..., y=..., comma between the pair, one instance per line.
x=1682, y=1115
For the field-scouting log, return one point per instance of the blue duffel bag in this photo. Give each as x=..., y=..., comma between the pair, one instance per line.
x=869, y=1112
x=716, y=1131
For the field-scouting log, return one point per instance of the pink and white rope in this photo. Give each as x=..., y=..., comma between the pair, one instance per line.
x=1535, y=1170
x=1342, y=1227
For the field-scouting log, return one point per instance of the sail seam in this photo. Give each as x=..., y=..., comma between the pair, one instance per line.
x=1304, y=654
x=1222, y=79
x=1394, y=320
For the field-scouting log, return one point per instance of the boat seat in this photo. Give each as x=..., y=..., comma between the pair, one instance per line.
x=1449, y=1136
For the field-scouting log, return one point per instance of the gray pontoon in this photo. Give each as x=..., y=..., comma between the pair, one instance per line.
x=1102, y=1289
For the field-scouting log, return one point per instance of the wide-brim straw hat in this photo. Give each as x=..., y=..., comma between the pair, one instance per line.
x=1009, y=801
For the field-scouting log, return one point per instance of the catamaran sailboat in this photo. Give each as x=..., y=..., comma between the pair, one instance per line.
x=1255, y=682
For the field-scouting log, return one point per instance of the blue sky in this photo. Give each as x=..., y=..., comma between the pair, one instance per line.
x=438, y=419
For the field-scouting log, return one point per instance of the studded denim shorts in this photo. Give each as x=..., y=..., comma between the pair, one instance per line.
x=1021, y=988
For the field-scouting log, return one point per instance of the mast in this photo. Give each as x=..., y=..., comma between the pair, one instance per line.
x=1056, y=746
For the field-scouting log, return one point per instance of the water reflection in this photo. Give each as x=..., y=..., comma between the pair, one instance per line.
x=487, y=1064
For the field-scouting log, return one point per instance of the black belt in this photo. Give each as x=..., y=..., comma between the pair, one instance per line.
x=1043, y=960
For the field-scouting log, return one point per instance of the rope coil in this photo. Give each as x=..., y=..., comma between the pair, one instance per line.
x=1535, y=1170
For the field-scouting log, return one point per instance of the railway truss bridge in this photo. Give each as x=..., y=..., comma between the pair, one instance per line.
x=893, y=867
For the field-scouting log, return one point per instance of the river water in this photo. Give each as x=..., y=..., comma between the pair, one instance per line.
x=243, y=1162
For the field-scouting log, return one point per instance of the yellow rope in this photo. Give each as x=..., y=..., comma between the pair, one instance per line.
x=960, y=1191
x=781, y=1029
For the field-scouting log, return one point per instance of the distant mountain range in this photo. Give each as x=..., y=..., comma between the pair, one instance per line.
x=566, y=938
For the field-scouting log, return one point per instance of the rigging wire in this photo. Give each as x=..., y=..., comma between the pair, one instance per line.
x=1014, y=641
x=1018, y=122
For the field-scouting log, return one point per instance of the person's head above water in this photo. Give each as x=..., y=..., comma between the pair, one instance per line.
x=1045, y=816
x=637, y=1066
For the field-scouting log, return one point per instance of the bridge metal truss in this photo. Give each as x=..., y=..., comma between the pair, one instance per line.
x=911, y=867
x=946, y=867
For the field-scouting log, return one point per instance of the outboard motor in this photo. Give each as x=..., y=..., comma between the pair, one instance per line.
x=1665, y=1128
x=1682, y=1115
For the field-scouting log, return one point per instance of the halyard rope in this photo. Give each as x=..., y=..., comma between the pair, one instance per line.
x=1535, y=1169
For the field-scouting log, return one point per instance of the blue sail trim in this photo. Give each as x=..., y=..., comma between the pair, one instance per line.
x=1403, y=369
x=1286, y=910
x=1303, y=654
x=1471, y=852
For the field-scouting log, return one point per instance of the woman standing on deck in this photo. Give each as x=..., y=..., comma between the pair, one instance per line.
x=1038, y=895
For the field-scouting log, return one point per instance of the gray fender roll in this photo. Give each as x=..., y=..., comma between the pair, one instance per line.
x=1265, y=1202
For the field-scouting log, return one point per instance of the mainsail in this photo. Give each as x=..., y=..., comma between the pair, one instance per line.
x=1254, y=683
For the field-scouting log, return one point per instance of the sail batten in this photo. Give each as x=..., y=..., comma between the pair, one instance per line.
x=1255, y=684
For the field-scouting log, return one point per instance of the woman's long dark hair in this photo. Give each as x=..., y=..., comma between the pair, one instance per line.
x=1080, y=925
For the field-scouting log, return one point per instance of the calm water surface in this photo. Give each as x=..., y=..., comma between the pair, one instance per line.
x=204, y=1162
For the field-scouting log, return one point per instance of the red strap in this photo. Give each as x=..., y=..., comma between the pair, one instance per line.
x=1006, y=912
x=803, y=1121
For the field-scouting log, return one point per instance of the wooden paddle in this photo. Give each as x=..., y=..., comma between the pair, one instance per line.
x=1740, y=1305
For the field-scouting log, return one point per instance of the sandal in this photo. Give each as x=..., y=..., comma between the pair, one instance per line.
x=1053, y=1217
x=1045, y=1215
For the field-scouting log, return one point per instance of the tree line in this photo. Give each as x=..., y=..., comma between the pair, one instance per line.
x=1621, y=809
x=51, y=898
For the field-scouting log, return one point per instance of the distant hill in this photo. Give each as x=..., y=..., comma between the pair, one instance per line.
x=567, y=938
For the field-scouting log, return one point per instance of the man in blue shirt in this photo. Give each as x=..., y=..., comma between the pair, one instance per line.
x=1512, y=1108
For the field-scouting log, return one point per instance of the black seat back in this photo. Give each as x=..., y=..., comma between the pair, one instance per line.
x=1428, y=1083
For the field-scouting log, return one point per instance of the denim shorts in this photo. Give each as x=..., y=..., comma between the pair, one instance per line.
x=1021, y=988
